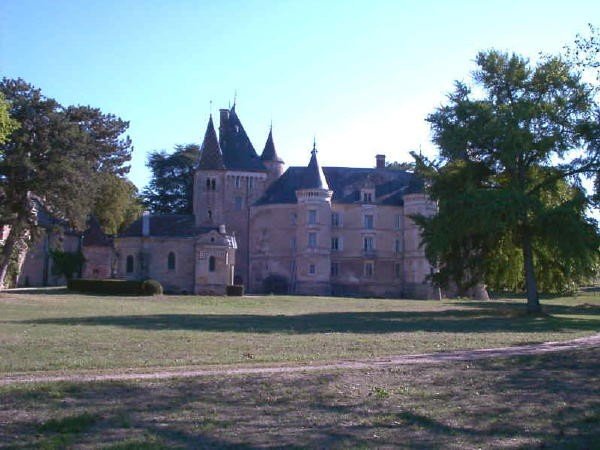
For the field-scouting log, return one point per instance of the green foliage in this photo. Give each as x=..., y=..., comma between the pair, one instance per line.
x=7, y=125
x=235, y=290
x=151, y=287
x=117, y=204
x=408, y=166
x=66, y=263
x=115, y=287
x=511, y=212
x=170, y=190
x=53, y=159
x=275, y=284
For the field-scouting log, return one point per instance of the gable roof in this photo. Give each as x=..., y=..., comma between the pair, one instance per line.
x=346, y=184
x=238, y=152
x=167, y=225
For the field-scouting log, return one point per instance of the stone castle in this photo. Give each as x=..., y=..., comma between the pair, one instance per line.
x=316, y=230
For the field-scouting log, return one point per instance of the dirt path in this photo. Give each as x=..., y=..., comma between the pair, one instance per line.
x=187, y=372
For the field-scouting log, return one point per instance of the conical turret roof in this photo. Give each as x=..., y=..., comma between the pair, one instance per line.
x=314, y=178
x=269, y=153
x=211, y=157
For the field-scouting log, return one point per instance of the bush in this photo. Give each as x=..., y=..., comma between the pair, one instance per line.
x=235, y=290
x=151, y=287
x=115, y=287
x=276, y=284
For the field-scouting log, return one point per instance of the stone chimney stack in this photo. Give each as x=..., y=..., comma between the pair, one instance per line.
x=380, y=161
x=146, y=223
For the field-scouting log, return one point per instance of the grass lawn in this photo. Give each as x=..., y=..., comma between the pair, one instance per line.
x=549, y=401
x=53, y=329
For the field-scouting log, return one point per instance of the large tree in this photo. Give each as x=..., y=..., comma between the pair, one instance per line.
x=7, y=124
x=170, y=190
x=513, y=148
x=116, y=202
x=53, y=158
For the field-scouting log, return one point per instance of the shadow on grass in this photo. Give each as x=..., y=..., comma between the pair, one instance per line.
x=547, y=401
x=475, y=320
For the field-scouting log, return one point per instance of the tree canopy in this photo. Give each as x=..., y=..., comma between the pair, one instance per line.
x=170, y=190
x=54, y=157
x=513, y=148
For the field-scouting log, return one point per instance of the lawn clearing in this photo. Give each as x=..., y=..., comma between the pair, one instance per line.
x=52, y=329
x=546, y=401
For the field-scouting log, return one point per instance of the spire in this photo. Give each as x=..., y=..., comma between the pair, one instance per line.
x=211, y=157
x=269, y=153
x=314, y=178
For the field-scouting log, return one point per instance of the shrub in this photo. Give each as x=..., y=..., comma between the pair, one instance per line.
x=235, y=290
x=151, y=287
x=275, y=284
x=114, y=287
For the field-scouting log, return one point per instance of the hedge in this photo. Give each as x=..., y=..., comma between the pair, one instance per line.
x=115, y=287
x=235, y=290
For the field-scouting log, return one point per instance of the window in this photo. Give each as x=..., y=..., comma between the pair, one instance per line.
x=334, y=269
x=237, y=182
x=129, y=264
x=212, y=263
x=335, y=243
x=398, y=223
x=398, y=270
x=312, y=240
x=208, y=184
x=398, y=246
x=368, y=221
x=312, y=216
x=250, y=183
x=293, y=218
x=171, y=261
x=209, y=214
x=335, y=219
x=213, y=184
x=368, y=243
x=369, y=269
x=367, y=197
x=293, y=243
x=238, y=203
x=312, y=269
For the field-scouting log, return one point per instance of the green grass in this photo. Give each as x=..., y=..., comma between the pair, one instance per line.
x=546, y=401
x=53, y=329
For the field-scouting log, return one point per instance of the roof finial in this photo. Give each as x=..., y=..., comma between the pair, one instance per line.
x=314, y=149
x=210, y=107
x=234, y=97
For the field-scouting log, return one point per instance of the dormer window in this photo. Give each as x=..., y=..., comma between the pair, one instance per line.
x=367, y=195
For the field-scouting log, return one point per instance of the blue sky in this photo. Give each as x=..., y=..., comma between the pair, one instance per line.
x=360, y=76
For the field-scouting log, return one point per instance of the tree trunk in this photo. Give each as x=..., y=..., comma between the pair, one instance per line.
x=533, y=301
x=9, y=247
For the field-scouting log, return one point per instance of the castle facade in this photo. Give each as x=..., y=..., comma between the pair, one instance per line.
x=308, y=229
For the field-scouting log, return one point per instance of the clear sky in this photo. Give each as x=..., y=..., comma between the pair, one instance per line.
x=360, y=76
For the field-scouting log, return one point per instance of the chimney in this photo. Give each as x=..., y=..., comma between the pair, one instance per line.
x=146, y=223
x=222, y=229
x=380, y=161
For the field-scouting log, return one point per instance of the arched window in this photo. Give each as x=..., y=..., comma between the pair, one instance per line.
x=208, y=184
x=171, y=261
x=213, y=184
x=212, y=262
x=129, y=264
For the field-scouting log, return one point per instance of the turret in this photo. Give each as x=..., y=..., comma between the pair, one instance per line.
x=209, y=180
x=271, y=160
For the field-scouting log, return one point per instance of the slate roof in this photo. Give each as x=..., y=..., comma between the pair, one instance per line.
x=211, y=157
x=238, y=152
x=313, y=177
x=94, y=236
x=346, y=183
x=269, y=153
x=168, y=225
